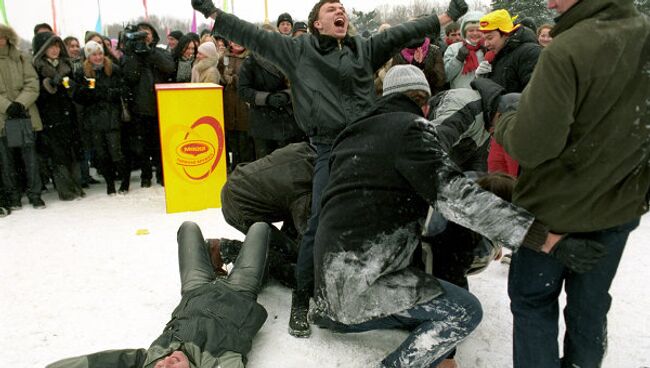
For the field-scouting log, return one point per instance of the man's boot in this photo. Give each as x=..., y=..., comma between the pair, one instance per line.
x=298, y=323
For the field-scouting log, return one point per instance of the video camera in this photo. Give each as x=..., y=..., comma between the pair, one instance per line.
x=134, y=40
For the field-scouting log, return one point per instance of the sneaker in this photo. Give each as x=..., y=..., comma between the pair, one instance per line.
x=298, y=323
x=37, y=203
x=145, y=183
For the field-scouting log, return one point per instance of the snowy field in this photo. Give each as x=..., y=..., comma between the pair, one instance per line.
x=76, y=278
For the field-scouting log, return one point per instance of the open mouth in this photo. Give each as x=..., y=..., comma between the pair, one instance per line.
x=339, y=22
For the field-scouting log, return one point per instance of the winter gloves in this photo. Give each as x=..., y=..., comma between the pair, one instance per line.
x=457, y=8
x=278, y=99
x=483, y=69
x=205, y=7
x=16, y=110
x=508, y=102
x=462, y=54
x=579, y=255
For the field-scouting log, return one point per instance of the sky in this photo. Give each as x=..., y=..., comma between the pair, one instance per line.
x=74, y=17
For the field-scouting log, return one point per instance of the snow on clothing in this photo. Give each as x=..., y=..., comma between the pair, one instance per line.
x=205, y=71
x=454, y=67
x=499, y=161
x=375, y=202
x=60, y=140
x=332, y=80
x=216, y=319
x=101, y=114
x=513, y=65
x=432, y=66
x=590, y=157
x=258, y=78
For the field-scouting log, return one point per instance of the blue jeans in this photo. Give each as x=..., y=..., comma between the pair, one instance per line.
x=305, y=264
x=436, y=327
x=534, y=285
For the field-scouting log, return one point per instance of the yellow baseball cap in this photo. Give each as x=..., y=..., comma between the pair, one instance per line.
x=498, y=20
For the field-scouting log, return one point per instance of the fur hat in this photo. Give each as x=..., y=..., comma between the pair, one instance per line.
x=93, y=47
x=208, y=49
x=284, y=17
x=404, y=78
x=9, y=33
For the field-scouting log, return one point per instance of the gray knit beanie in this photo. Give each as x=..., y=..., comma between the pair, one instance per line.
x=404, y=78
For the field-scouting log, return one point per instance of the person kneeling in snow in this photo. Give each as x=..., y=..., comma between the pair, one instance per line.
x=386, y=169
x=217, y=318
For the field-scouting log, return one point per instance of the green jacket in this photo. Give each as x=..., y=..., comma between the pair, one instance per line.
x=582, y=129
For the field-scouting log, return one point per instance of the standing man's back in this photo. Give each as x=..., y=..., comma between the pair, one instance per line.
x=581, y=136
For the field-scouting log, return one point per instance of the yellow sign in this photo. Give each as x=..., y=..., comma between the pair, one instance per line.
x=193, y=145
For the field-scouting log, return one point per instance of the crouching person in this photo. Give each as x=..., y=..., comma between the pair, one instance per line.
x=386, y=169
x=216, y=319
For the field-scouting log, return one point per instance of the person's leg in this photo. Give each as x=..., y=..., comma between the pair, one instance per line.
x=534, y=285
x=588, y=301
x=6, y=162
x=193, y=258
x=249, y=268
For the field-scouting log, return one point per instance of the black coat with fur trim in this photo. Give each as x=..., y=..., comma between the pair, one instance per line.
x=101, y=104
x=514, y=64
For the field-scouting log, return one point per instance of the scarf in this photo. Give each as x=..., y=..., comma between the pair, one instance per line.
x=471, y=62
x=409, y=54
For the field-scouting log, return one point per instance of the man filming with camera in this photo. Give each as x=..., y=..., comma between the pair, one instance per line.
x=144, y=66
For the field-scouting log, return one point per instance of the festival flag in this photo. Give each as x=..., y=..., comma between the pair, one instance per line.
x=225, y=6
x=54, y=17
x=146, y=10
x=98, y=25
x=3, y=10
x=194, y=28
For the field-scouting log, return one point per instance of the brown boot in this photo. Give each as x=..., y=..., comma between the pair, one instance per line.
x=215, y=257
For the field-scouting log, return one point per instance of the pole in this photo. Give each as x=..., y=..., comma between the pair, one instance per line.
x=266, y=12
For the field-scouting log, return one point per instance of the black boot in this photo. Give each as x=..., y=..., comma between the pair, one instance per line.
x=298, y=323
x=110, y=187
x=37, y=202
x=125, y=175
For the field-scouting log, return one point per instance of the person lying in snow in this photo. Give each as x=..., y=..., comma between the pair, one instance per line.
x=217, y=318
x=386, y=169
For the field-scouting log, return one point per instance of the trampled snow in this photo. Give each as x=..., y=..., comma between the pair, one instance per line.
x=76, y=278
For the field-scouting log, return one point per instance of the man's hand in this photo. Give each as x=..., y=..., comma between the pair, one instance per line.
x=457, y=8
x=579, y=255
x=508, y=102
x=483, y=69
x=278, y=99
x=16, y=110
x=462, y=54
x=205, y=7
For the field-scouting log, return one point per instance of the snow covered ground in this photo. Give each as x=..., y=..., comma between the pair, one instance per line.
x=77, y=279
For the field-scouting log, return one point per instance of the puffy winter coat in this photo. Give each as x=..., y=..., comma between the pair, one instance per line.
x=205, y=71
x=331, y=81
x=514, y=64
x=386, y=170
x=101, y=105
x=142, y=71
x=580, y=133
x=18, y=80
x=259, y=78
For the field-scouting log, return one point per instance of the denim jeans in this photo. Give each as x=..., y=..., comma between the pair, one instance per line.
x=305, y=264
x=534, y=285
x=436, y=327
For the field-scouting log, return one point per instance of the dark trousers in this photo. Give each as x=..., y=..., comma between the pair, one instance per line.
x=305, y=265
x=144, y=145
x=8, y=176
x=436, y=327
x=248, y=271
x=534, y=285
x=240, y=146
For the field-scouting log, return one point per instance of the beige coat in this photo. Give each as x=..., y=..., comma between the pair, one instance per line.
x=205, y=71
x=18, y=80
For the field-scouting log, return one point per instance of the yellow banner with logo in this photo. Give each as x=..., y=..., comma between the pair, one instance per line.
x=193, y=145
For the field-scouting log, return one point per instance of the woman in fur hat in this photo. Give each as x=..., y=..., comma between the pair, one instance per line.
x=60, y=140
x=98, y=89
x=205, y=68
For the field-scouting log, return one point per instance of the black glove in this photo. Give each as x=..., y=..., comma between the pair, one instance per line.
x=463, y=51
x=508, y=102
x=278, y=99
x=579, y=255
x=205, y=7
x=16, y=110
x=56, y=80
x=456, y=9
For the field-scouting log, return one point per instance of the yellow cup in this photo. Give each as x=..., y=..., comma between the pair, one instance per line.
x=66, y=82
x=91, y=83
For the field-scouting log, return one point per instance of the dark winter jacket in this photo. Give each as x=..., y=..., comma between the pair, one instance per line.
x=331, y=81
x=581, y=132
x=236, y=112
x=274, y=188
x=142, y=71
x=514, y=64
x=259, y=78
x=433, y=67
x=101, y=105
x=385, y=171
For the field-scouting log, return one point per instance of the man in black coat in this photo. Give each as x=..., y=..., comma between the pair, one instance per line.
x=143, y=68
x=217, y=317
x=331, y=75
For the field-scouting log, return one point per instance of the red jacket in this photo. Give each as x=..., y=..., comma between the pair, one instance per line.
x=500, y=161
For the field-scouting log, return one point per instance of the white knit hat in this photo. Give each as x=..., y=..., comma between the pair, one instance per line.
x=208, y=49
x=404, y=78
x=92, y=47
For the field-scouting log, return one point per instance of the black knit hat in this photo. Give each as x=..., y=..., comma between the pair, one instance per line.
x=176, y=34
x=284, y=17
x=299, y=26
